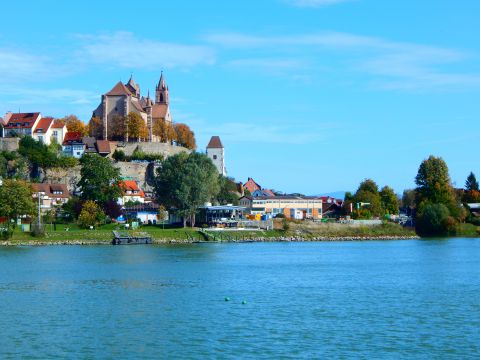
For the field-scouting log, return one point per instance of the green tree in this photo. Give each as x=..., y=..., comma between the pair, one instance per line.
x=99, y=179
x=389, y=200
x=367, y=193
x=91, y=215
x=228, y=193
x=16, y=200
x=471, y=183
x=433, y=183
x=186, y=181
x=433, y=189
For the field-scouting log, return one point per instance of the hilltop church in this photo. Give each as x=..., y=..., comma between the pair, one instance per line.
x=125, y=98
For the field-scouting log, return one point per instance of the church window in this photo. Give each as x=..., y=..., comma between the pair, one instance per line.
x=161, y=97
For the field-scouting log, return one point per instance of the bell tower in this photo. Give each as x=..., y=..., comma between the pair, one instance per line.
x=161, y=91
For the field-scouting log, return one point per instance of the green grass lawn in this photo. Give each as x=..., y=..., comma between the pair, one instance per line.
x=71, y=232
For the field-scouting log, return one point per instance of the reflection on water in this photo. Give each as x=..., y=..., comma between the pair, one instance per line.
x=395, y=299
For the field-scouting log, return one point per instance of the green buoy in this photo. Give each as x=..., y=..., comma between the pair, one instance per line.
x=227, y=299
x=244, y=302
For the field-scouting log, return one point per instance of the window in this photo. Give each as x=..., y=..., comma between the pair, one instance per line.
x=55, y=133
x=40, y=138
x=214, y=157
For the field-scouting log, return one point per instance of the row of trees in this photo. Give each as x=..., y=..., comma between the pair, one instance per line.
x=368, y=201
x=438, y=208
x=133, y=128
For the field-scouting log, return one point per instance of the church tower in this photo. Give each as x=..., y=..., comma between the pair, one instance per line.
x=161, y=91
x=216, y=153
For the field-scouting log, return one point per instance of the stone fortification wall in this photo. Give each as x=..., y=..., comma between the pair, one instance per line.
x=151, y=148
x=141, y=172
x=9, y=144
x=70, y=177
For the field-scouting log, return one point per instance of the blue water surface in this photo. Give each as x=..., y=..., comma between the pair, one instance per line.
x=364, y=300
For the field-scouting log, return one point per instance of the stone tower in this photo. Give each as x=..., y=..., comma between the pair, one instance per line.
x=161, y=91
x=215, y=151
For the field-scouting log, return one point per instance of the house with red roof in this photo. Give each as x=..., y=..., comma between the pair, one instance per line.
x=131, y=193
x=21, y=124
x=251, y=186
x=58, y=131
x=51, y=195
x=73, y=144
x=42, y=131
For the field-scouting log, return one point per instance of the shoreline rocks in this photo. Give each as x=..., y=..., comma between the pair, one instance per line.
x=185, y=241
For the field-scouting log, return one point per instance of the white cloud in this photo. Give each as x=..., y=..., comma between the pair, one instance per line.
x=124, y=49
x=314, y=3
x=394, y=65
x=18, y=66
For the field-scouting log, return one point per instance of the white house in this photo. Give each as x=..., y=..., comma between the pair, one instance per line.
x=131, y=193
x=73, y=144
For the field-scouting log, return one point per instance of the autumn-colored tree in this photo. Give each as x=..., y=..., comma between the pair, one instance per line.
x=95, y=128
x=74, y=124
x=91, y=214
x=136, y=127
x=117, y=128
x=164, y=130
x=185, y=136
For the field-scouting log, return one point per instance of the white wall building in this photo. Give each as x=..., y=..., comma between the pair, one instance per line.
x=215, y=151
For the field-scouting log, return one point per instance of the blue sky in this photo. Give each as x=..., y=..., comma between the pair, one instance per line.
x=308, y=96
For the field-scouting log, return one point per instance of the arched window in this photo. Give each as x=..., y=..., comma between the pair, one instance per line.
x=161, y=97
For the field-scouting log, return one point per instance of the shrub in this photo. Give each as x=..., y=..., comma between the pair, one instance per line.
x=38, y=230
x=119, y=155
x=435, y=220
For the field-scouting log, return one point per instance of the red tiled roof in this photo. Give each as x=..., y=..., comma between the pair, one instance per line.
x=119, y=89
x=103, y=146
x=58, y=124
x=137, y=105
x=25, y=120
x=215, y=143
x=159, y=111
x=43, y=125
x=131, y=185
x=49, y=190
x=72, y=136
x=268, y=192
x=251, y=185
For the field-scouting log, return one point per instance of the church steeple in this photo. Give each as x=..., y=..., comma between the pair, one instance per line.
x=161, y=91
x=133, y=87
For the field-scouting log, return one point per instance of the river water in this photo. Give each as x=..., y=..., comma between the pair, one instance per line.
x=364, y=300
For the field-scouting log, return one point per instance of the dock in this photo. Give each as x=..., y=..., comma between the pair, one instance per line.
x=124, y=238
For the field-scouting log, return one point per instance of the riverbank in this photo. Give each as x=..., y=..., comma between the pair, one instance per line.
x=294, y=232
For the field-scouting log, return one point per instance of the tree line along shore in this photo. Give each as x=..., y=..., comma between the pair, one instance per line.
x=185, y=181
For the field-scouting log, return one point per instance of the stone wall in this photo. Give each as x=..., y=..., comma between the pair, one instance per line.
x=142, y=173
x=9, y=144
x=151, y=148
x=70, y=177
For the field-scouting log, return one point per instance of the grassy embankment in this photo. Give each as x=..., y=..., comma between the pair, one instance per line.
x=296, y=230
